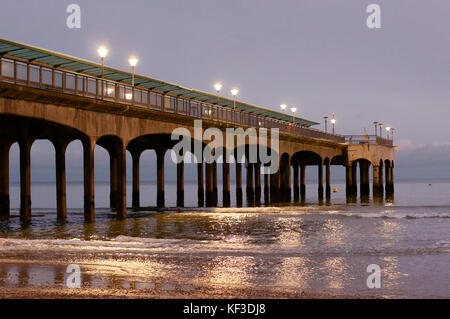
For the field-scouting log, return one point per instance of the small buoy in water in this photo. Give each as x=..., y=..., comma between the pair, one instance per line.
x=335, y=190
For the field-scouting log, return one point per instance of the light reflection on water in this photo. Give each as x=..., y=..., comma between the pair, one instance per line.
x=237, y=252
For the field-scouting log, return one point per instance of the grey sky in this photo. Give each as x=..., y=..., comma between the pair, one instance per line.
x=317, y=54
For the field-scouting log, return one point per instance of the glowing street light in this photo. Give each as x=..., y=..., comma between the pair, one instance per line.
x=234, y=92
x=326, y=123
x=388, y=129
x=133, y=62
x=293, y=109
x=333, y=122
x=102, y=52
x=380, y=125
x=283, y=107
x=218, y=87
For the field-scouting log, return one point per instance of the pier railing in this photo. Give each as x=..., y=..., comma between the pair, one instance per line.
x=368, y=139
x=69, y=82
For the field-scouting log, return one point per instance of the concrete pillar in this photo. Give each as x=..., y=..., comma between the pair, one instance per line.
x=180, y=184
x=348, y=181
x=249, y=189
x=376, y=186
x=285, y=181
x=354, y=179
x=215, y=197
x=296, y=182
x=389, y=182
x=364, y=179
x=60, y=161
x=25, y=144
x=121, y=183
x=328, y=180
x=320, y=181
x=136, y=196
x=302, y=182
x=275, y=187
x=239, y=184
x=209, y=185
x=266, y=189
x=257, y=167
x=88, y=167
x=200, y=185
x=4, y=179
x=160, y=177
x=381, y=181
x=226, y=184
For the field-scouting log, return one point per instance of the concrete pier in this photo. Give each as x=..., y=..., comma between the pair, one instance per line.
x=60, y=161
x=239, y=184
x=89, y=193
x=295, y=182
x=250, y=192
x=136, y=195
x=25, y=179
x=226, y=196
x=160, y=196
x=302, y=182
x=180, y=184
x=200, y=185
x=327, y=180
x=320, y=181
x=4, y=179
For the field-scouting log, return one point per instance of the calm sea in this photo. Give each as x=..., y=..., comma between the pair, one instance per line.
x=318, y=249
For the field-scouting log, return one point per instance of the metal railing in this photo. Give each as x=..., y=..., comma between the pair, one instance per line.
x=69, y=82
x=368, y=139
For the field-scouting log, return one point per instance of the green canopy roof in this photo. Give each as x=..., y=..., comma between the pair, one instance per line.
x=58, y=60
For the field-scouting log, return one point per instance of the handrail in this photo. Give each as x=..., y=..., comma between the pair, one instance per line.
x=48, y=78
x=368, y=139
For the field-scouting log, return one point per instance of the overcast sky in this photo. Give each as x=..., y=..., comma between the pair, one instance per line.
x=318, y=55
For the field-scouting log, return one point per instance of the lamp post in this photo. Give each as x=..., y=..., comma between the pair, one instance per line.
x=102, y=52
x=333, y=122
x=388, y=129
x=326, y=123
x=133, y=62
x=234, y=92
x=381, y=129
x=293, y=109
x=376, y=128
x=392, y=133
x=218, y=87
x=283, y=107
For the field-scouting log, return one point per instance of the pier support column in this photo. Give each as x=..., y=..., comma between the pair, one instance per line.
x=348, y=181
x=4, y=179
x=200, y=185
x=226, y=197
x=88, y=168
x=389, y=182
x=238, y=184
x=160, y=196
x=328, y=180
x=249, y=189
x=266, y=189
x=121, y=184
x=376, y=185
x=25, y=144
x=320, y=181
x=257, y=183
x=209, y=184
x=180, y=184
x=135, y=200
x=354, y=180
x=364, y=180
x=275, y=187
x=215, y=191
x=295, y=182
x=60, y=161
x=302, y=183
